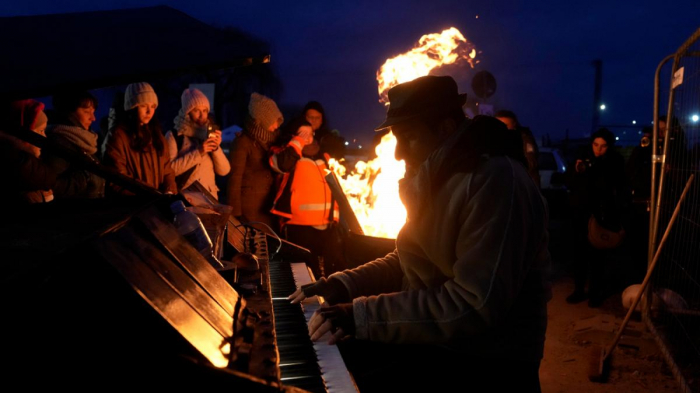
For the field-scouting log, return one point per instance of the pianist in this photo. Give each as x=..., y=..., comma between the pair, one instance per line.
x=461, y=302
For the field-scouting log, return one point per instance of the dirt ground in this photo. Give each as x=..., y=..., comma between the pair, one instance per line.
x=575, y=332
x=572, y=334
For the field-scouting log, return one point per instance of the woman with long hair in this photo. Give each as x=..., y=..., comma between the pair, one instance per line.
x=137, y=146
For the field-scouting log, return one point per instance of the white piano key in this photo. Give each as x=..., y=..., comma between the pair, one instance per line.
x=333, y=370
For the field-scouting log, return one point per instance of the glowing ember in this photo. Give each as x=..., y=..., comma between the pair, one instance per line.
x=432, y=51
x=372, y=188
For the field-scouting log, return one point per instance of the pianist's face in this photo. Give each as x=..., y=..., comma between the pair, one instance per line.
x=415, y=141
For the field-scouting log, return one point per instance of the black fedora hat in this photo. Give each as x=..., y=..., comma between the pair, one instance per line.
x=422, y=96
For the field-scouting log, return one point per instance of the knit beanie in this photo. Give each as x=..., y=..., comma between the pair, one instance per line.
x=26, y=113
x=264, y=110
x=41, y=121
x=192, y=98
x=139, y=93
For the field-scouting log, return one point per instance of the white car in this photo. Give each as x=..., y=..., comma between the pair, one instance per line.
x=552, y=168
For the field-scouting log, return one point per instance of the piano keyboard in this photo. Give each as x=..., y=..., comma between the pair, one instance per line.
x=313, y=366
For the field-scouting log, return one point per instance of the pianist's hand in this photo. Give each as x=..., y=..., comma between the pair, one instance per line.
x=339, y=320
x=332, y=290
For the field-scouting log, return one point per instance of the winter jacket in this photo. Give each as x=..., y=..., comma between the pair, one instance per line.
x=25, y=178
x=148, y=167
x=469, y=269
x=303, y=197
x=601, y=188
x=205, y=164
x=79, y=183
x=250, y=185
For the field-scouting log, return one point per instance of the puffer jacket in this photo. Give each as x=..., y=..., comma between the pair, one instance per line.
x=205, y=165
x=470, y=266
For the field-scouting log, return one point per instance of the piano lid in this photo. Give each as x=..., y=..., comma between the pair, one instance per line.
x=127, y=302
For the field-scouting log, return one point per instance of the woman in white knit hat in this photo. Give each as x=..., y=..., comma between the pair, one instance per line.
x=251, y=184
x=137, y=147
x=194, y=143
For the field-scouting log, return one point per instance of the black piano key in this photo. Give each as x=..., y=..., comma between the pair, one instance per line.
x=298, y=361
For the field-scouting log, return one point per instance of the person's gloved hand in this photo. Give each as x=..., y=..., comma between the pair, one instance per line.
x=339, y=320
x=332, y=290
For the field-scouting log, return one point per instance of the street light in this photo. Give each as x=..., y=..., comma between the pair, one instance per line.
x=602, y=107
x=634, y=121
x=695, y=118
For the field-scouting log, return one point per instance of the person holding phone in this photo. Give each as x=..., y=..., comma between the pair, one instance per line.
x=304, y=201
x=194, y=143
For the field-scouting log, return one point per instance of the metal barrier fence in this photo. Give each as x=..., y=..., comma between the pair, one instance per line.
x=672, y=306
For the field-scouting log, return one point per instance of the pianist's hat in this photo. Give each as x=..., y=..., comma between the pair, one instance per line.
x=139, y=93
x=427, y=95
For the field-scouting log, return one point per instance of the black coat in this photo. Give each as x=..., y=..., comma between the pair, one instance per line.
x=600, y=188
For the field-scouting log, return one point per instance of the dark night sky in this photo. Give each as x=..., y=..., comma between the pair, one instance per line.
x=539, y=51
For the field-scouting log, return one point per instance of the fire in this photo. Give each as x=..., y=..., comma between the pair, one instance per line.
x=372, y=188
x=433, y=50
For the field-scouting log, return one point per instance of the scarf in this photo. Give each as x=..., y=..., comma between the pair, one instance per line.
x=184, y=126
x=259, y=134
x=73, y=136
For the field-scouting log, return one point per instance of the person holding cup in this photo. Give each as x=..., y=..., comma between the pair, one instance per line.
x=194, y=144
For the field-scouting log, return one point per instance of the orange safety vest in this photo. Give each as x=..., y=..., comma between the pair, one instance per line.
x=304, y=197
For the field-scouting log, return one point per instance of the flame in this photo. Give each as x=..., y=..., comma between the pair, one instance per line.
x=432, y=51
x=372, y=188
